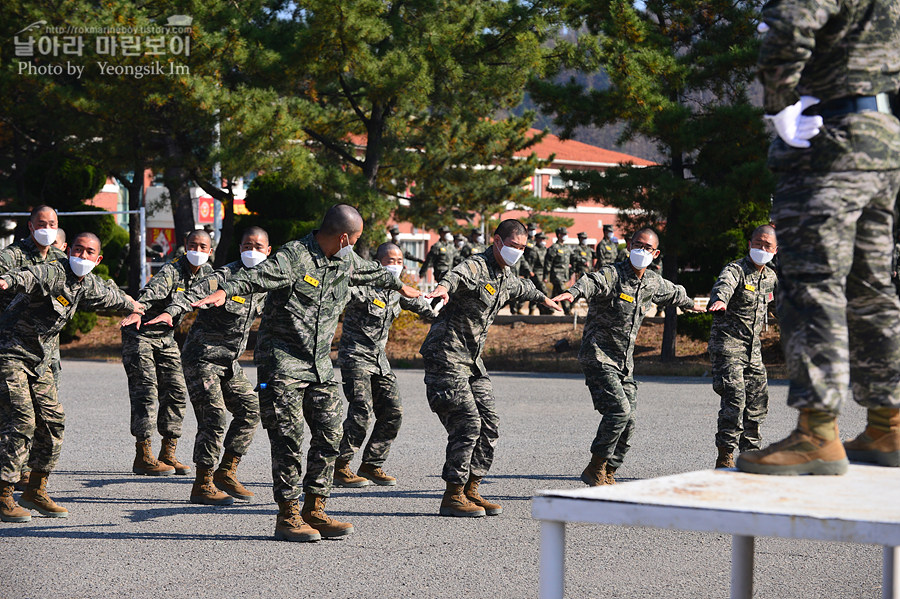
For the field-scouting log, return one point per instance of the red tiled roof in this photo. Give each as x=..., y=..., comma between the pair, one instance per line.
x=576, y=151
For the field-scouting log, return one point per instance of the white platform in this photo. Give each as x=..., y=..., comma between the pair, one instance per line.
x=862, y=506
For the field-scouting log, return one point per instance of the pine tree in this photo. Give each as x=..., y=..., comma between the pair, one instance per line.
x=679, y=74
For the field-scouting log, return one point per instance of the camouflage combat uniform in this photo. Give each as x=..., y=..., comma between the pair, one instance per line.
x=216, y=382
x=617, y=302
x=369, y=385
x=307, y=293
x=582, y=260
x=735, y=351
x=440, y=258
x=457, y=386
x=607, y=253
x=472, y=248
x=533, y=267
x=48, y=295
x=834, y=201
x=556, y=269
x=151, y=357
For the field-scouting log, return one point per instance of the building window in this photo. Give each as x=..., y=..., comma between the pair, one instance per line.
x=417, y=249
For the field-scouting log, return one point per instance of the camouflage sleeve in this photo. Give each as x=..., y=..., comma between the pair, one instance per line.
x=788, y=45
x=31, y=279
x=100, y=296
x=594, y=284
x=670, y=294
x=725, y=285
x=277, y=272
x=201, y=288
x=419, y=305
x=372, y=273
x=524, y=290
x=8, y=259
x=160, y=286
x=464, y=275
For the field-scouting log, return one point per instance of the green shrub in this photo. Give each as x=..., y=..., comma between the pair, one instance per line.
x=81, y=322
x=695, y=325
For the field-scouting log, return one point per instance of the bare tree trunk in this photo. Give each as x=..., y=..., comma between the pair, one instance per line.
x=670, y=262
x=177, y=181
x=226, y=239
x=135, y=201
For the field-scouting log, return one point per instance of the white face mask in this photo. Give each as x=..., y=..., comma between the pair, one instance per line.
x=479, y=239
x=460, y=244
x=395, y=269
x=197, y=258
x=510, y=255
x=564, y=239
x=344, y=251
x=251, y=258
x=541, y=244
x=80, y=266
x=448, y=236
x=760, y=257
x=45, y=237
x=641, y=259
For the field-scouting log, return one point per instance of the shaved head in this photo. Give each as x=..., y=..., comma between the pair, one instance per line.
x=256, y=232
x=649, y=236
x=763, y=230
x=386, y=248
x=341, y=219
x=198, y=234
x=86, y=237
x=37, y=211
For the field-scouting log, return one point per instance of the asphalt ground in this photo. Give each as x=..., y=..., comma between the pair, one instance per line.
x=132, y=536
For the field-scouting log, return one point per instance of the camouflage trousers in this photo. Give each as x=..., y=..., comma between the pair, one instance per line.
x=367, y=395
x=154, y=374
x=838, y=311
x=560, y=286
x=284, y=404
x=615, y=397
x=32, y=421
x=539, y=285
x=742, y=383
x=215, y=392
x=465, y=406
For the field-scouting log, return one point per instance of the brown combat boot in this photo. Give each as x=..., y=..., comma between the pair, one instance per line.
x=455, y=503
x=9, y=510
x=880, y=442
x=813, y=448
x=225, y=478
x=725, y=459
x=376, y=475
x=474, y=497
x=35, y=497
x=145, y=463
x=205, y=492
x=289, y=526
x=610, y=475
x=167, y=456
x=314, y=515
x=23, y=480
x=344, y=477
x=594, y=474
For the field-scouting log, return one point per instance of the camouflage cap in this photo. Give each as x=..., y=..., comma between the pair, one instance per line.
x=562, y=231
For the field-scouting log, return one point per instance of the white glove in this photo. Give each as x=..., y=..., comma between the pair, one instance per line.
x=793, y=126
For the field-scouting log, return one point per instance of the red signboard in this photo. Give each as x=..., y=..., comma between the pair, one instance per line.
x=205, y=210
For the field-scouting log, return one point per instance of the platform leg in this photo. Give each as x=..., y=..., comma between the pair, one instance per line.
x=742, y=567
x=890, y=574
x=553, y=559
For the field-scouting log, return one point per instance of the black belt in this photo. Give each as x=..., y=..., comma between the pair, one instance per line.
x=853, y=104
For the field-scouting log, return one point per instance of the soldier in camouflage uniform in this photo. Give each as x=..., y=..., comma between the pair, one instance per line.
x=32, y=420
x=440, y=256
x=308, y=282
x=607, y=252
x=739, y=301
x=25, y=252
x=369, y=385
x=556, y=266
x=533, y=268
x=216, y=382
x=153, y=363
x=830, y=74
x=461, y=245
x=475, y=245
x=395, y=239
x=618, y=297
x=457, y=386
x=582, y=260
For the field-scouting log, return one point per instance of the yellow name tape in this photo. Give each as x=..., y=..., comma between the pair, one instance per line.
x=626, y=297
x=312, y=281
x=749, y=287
x=179, y=289
x=238, y=299
x=63, y=301
x=378, y=303
x=490, y=289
